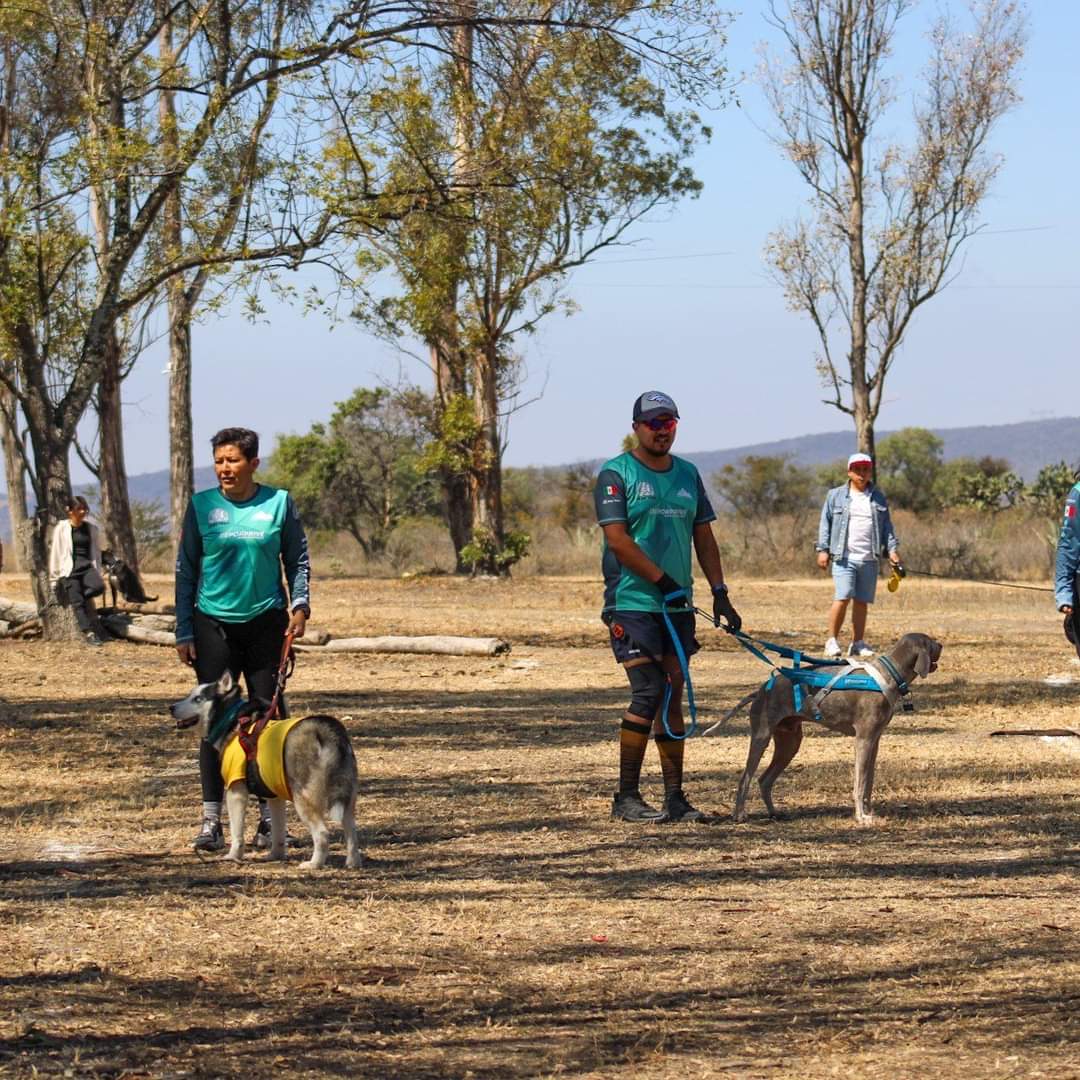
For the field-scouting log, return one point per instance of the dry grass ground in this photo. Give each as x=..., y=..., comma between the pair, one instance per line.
x=503, y=926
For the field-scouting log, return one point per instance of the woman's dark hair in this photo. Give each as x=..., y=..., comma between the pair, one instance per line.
x=76, y=502
x=245, y=440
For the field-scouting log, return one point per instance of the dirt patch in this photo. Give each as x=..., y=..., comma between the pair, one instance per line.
x=503, y=926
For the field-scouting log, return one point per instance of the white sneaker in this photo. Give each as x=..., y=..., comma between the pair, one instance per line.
x=832, y=648
x=860, y=649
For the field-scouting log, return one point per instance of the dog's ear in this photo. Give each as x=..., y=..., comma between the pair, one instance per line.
x=225, y=683
x=922, y=661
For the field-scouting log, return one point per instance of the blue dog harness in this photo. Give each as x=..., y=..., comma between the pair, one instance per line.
x=814, y=673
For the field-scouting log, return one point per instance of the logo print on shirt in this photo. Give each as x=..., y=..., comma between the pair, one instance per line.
x=611, y=489
x=218, y=516
x=262, y=515
x=645, y=490
x=682, y=493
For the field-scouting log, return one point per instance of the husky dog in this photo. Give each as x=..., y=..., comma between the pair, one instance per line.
x=121, y=579
x=309, y=761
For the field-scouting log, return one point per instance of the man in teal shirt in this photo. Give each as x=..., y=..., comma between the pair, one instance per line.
x=653, y=509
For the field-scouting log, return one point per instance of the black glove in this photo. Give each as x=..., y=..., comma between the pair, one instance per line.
x=899, y=568
x=722, y=609
x=668, y=585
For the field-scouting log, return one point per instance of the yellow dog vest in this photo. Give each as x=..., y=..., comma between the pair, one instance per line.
x=269, y=756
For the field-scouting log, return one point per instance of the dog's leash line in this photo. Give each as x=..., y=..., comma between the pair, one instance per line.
x=980, y=581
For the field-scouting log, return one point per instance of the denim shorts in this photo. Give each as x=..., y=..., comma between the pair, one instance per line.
x=855, y=580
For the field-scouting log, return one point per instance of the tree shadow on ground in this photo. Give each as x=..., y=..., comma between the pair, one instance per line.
x=366, y=1024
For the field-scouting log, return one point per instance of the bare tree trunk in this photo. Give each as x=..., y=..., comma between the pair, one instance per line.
x=450, y=384
x=487, y=458
x=112, y=474
x=52, y=486
x=15, y=478
x=181, y=448
x=451, y=371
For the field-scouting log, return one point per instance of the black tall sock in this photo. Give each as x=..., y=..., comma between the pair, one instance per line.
x=671, y=761
x=633, y=741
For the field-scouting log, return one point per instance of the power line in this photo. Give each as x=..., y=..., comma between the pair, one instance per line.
x=662, y=258
x=704, y=285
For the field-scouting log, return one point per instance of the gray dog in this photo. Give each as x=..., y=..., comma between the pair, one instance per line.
x=309, y=761
x=862, y=713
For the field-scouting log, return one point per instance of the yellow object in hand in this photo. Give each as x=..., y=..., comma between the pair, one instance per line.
x=894, y=580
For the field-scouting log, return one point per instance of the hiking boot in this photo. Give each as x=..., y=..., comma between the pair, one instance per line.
x=860, y=650
x=630, y=806
x=210, y=837
x=92, y=639
x=677, y=808
x=262, y=839
x=832, y=648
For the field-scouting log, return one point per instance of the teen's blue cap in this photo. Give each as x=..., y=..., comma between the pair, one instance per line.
x=654, y=403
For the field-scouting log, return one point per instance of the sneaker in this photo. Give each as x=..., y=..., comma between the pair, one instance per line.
x=677, y=808
x=630, y=806
x=860, y=649
x=262, y=836
x=92, y=639
x=832, y=648
x=210, y=837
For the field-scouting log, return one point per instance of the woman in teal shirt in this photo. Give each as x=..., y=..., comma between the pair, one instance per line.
x=232, y=610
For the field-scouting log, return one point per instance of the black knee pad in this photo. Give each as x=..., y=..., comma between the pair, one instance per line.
x=647, y=683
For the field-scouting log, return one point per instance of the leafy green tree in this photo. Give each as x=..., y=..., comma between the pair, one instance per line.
x=547, y=145
x=772, y=498
x=574, y=507
x=1048, y=491
x=361, y=471
x=907, y=467
x=985, y=484
x=151, y=525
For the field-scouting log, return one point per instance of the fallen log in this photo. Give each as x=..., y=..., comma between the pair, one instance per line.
x=16, y=611
x=150, y=621
x=122, y=626
x=432, y=643
x=1042, y=733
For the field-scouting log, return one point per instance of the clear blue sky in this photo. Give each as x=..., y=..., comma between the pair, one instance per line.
x=1000, y=345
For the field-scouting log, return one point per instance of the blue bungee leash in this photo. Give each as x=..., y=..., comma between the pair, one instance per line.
x=684, y=667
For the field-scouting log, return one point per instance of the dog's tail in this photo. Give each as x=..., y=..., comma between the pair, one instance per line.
x=731, y=712
x=339, y=760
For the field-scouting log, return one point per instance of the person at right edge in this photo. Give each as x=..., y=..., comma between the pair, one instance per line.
x=653, y=509
x=1068, y=563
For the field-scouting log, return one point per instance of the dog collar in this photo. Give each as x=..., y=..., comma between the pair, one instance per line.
x=890, y=667
x=225, y=722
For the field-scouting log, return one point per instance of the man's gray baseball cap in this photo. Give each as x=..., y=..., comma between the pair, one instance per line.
x=654, y=403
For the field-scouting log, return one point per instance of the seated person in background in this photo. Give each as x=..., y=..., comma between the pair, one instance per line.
x=75, y=565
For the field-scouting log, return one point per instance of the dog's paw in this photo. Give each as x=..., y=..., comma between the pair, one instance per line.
x=868, y=820
x=312, y=864
x=779, y=815
x=233, y=856
x=740, y=817
x=275, y=856
x=354, y=862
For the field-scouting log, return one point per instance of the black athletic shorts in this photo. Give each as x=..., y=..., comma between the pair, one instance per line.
x=635, y=634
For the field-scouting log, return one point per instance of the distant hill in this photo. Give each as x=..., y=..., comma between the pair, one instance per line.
x=1028, y=446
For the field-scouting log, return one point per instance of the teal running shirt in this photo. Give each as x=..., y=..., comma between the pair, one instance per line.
x=660, y=510
x=229, y=563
